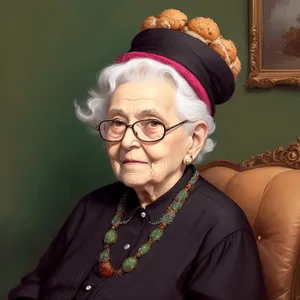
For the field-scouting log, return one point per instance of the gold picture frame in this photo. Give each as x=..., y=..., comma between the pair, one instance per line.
x=261, y=76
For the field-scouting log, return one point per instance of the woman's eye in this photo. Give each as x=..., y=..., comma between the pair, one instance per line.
x=117, y=123
x=154, y=123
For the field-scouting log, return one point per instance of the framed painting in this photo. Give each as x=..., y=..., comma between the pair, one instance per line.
x=274, y=34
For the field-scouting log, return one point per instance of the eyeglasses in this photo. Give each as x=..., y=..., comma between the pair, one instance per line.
x=150, y=130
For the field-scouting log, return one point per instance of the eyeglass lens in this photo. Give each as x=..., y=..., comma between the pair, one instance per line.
x=145, y=130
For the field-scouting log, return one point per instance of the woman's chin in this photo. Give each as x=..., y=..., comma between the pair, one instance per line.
x=133, y=179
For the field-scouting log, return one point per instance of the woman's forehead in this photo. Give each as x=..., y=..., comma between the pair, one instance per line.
x=144, y=96
x=144, y=89
x=141, y=112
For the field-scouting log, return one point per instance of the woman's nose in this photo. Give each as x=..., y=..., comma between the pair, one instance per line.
x=129, y=139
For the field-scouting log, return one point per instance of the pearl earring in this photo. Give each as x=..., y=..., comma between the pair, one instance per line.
x=187, y=161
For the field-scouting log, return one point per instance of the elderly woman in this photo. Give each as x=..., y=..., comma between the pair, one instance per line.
x=161, y=231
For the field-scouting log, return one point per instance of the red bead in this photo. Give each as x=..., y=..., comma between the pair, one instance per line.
x=105, y=269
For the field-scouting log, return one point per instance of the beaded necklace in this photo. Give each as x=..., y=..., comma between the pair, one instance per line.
x=130, y=263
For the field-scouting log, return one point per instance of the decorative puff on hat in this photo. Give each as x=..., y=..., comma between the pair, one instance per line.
x=195, y=48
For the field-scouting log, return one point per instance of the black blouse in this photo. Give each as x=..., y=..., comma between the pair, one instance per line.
x=207, y=253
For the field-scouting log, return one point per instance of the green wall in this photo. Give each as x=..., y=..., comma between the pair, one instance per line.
x=51, y=51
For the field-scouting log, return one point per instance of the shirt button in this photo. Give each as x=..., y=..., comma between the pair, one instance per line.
x=143, y=214
x=88, y=287
x=127, y=246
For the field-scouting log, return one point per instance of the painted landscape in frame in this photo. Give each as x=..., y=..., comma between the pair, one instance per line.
x=274, y=43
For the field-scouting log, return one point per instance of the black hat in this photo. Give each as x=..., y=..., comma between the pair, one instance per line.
x=203, y=68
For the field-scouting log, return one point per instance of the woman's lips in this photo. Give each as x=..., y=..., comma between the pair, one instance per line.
x=131, y=162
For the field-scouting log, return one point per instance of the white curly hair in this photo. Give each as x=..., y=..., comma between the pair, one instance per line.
x=188, y=104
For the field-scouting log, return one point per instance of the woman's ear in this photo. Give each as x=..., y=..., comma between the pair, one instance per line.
x=199, y=136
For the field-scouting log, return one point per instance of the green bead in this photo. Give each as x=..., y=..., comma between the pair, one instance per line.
x=156, y=234
x=110, y=237
x=115, y=220
x=168, y=217
x=144, y=249
x=193, y=180
x=177, y=205
x=129, y=264
x=120, y=208
x=181, y=195
x=104, y=256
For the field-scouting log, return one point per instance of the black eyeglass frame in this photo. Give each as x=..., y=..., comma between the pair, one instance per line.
x=132, y=127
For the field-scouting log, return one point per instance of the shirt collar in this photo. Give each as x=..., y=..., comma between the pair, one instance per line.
x=156, y=209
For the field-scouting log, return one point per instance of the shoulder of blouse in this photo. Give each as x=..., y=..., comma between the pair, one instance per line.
x=222, y=210
x=104, y=195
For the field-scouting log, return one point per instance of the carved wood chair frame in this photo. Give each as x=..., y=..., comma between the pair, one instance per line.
x=285, y=157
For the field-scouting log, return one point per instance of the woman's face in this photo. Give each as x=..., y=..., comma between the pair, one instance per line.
x=137, y=163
